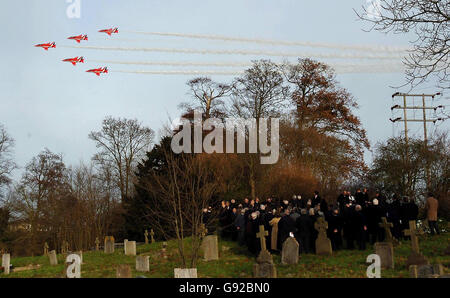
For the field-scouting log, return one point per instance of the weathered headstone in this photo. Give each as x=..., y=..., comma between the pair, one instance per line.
x=109, y=245
x=415, y=258
x=386, y=252
x=130, y=248
x=45, y=249
x=52, y=257
x=323, y=244
x=146, y=236
x=143, y=263
x=210, y=246
x=152, y=235
x=426, y=271
x=64, y=247
x=262, y=237
x=164, y=250
x=97, y=244
x=125, y=241
x=123, y=271
x=185, y=272
x=289, y=252
x=264, y=267
x=6, y=263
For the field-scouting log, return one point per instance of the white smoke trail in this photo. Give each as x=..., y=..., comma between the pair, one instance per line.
x=341, y=66
x=181, y=72
x=367, y=48
x=342, y=70
x=241, y=52
x=175, y=63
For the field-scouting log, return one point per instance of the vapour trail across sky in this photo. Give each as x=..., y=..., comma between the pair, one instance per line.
x=367, y=48
x=242, y=52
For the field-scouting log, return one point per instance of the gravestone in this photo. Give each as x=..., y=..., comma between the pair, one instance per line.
x=45, y=249
x=152, y=235
x=130, y=248
x=426, y=271
x=97, y=244
x=143, y=263
x=52, y=257
x=210, y=246
x=146, y=236
x=64, y=247
x=289, y=252
x=264, y=267
x=164, y=250
x=6, y=263
x=123, y=271
x=125, y=241
x=415, y=258
x=203, y=230
x=185, y=272
x=323, y=244
x=109, y=245
x=386, y=252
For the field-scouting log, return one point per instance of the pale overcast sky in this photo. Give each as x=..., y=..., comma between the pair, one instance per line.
x=47, y=103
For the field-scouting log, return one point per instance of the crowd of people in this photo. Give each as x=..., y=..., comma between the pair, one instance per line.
x=353, y=220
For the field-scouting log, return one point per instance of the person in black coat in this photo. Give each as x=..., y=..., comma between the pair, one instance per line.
x=360, y=226
x=286, y=225
x=304, y=226
x=349, y=234
x=374, y=214
x=239, y=223
x=335, y=226
x=316, y=199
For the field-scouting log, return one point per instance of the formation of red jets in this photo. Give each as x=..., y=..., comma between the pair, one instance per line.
x=78, y=39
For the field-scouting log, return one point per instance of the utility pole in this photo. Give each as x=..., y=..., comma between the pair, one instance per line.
x=405, y=119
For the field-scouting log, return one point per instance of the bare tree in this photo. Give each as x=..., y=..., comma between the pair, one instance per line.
x=122, y=142
x=429, y=20
x=180, y=188
x=7, y=165
x=208, y=95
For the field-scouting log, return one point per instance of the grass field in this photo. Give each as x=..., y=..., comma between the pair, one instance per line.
x=235, y=261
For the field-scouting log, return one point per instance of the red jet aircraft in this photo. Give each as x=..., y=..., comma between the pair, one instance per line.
x=46, y=46
x=98, y=71
x=109, y=31
x=79, y=38
x=75, y=60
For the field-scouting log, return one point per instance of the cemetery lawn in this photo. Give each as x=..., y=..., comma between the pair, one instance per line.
x=236, y=262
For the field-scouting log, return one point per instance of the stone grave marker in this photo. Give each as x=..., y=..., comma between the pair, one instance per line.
x=146, y=236
x=123, y=271
x=109, y=245
x=143, y=263
x=164, y=250
x=52, y=257
x=6, y=263
x=426, y=271
x=97, y=244
x=264, y=267
x=289, y=252
x=210, y=246
x=185, y=272
x=130, y=248
x=323, y=244
x=386, y=252
x=45, y=249
x=152, y=235
x=415, y=258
